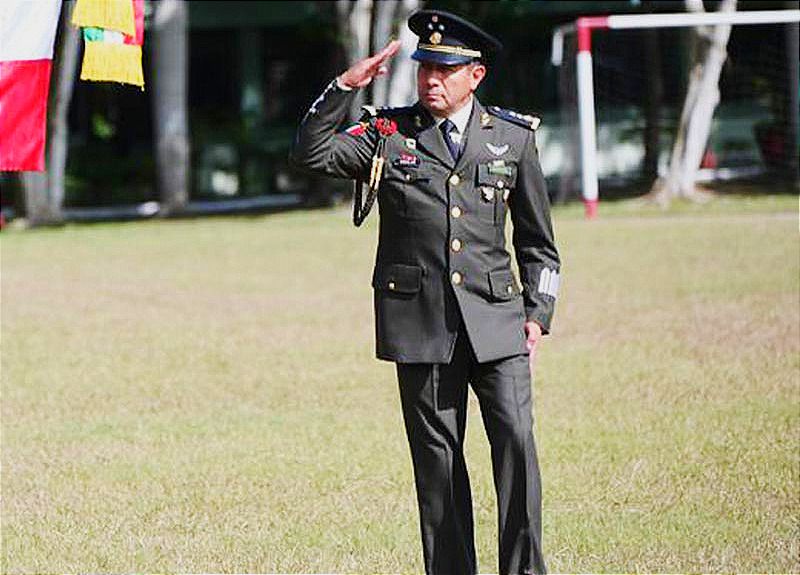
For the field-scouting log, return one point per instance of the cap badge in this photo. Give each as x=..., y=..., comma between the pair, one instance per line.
x=436, y=38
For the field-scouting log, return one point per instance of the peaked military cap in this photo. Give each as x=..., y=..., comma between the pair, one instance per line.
x=447, y=39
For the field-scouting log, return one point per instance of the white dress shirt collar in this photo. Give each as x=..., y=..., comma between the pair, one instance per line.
x=460, y=117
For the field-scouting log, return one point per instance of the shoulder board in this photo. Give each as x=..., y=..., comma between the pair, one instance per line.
x=394, y=112
x=524, y=120
x=369, y=112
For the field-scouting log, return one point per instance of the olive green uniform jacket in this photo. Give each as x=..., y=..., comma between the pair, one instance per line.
x=441, y=256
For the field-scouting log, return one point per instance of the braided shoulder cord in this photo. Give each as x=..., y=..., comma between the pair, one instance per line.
x=362, y=210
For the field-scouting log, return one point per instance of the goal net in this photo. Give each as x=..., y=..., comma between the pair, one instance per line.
x=640, y=77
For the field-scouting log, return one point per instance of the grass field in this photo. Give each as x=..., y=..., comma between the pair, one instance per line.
x=201, y=396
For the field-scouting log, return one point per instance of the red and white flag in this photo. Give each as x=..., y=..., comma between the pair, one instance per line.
x=27, y=34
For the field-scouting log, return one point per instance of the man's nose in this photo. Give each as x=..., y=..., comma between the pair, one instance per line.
x=433, y=78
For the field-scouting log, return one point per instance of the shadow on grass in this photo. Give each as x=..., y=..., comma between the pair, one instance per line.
x=762, y=185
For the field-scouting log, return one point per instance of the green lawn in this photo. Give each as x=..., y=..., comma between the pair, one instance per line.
x=201, y=396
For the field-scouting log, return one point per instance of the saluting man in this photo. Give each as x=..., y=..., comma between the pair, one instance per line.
x=448, y=309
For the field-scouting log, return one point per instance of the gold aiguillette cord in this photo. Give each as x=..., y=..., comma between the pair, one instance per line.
x=360, y=212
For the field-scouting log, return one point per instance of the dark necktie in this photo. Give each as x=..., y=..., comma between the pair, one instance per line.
x=447, y=127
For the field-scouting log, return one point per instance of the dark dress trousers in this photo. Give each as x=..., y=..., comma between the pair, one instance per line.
x=448, y=309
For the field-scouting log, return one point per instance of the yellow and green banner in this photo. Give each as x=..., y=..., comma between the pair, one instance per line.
x=113, y=31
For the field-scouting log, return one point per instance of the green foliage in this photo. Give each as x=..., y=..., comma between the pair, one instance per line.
x=97, y=175
x=102, y=128
x=201, y=396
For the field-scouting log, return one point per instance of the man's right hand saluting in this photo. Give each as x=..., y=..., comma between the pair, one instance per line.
x=362, y=72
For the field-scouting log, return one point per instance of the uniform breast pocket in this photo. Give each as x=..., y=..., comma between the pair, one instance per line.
x=494, y=183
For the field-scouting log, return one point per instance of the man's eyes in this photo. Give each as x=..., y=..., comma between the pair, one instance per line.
x=443, y=68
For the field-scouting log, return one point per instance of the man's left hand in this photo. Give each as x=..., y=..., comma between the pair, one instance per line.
x=533, y=331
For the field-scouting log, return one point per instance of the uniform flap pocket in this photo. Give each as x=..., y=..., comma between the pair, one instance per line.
x=502, y=284
x=498, y=174
x=405, y=173
x=398, y=278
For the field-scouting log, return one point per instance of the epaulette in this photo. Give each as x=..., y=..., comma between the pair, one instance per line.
x=369, y=112
x=524, y=120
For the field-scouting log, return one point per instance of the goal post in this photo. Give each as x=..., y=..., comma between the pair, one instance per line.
x=583, y=28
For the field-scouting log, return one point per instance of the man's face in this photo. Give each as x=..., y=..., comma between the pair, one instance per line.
x=445, y=89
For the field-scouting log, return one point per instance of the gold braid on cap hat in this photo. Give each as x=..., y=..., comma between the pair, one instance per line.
x=458, y=50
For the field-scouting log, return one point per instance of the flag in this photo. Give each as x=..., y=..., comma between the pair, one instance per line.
x=27, y=34
x=114, y=33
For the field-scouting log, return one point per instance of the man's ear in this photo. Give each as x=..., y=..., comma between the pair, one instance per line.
x=477, y=73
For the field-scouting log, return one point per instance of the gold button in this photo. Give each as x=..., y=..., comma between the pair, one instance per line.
x=510, y=289
x=391, y=285
x=500, y=184
x=455, y=212
x=456, y=277
x=454, y=180
x=456, y=245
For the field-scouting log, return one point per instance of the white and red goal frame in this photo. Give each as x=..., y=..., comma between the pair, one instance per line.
x=584, y=26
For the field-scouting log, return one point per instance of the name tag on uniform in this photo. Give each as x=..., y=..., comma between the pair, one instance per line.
x=407, y=160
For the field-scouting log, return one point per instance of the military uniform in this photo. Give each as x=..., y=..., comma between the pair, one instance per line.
x=448, y=309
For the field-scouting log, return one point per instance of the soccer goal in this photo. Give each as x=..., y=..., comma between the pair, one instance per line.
x=622, y=82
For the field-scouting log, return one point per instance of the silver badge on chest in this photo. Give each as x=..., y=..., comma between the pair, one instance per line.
x=498, y=150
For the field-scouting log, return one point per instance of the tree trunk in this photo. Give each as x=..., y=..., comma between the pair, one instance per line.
x=43, y=192
x=568, y=176
x=793, y=99
x=701, y=100
x=382, y=18
x=654, y=100
x=368, y=26
x=402, y=85
x=170, y=79
x=355, y=20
